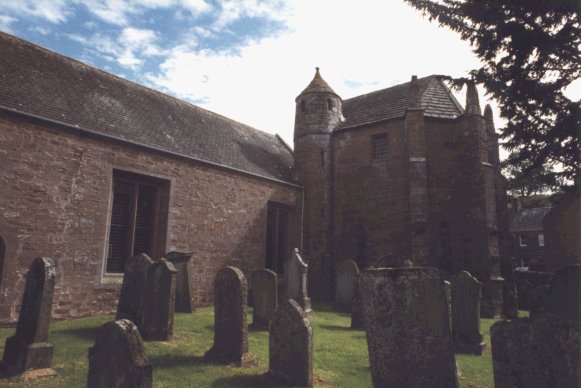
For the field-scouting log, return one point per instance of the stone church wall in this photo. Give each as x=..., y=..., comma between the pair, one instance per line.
x=56, y=201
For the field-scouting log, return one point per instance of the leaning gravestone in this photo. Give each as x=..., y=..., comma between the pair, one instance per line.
x=230, y=328
x=545, y=350
x=28, y=349
x=290, y=346
x=345, y=276
x=130, y=304
x=407, y=325
x=295, y=274
x=265, y=292
x=184, y=292
x=466, y=294
x=159, y=303
x=118, y=358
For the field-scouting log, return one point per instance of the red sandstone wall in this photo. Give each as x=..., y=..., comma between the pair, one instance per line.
x=55, y=199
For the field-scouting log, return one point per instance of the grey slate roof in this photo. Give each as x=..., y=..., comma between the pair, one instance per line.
x=36, y=81
x=528, y=220
x=436, y=100
x=317, y=85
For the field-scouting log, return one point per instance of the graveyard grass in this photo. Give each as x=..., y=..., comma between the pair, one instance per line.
x=339, y=355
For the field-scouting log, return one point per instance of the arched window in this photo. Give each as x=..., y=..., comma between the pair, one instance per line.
x=329, y=104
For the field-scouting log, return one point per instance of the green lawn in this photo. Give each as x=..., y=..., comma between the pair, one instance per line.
x=340, y=355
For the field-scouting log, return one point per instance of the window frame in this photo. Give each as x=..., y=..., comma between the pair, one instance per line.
x=541, y=239
x=522, y=240
x=378, y=139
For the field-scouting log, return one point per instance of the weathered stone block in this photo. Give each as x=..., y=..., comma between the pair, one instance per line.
x=295, y=274
x=357, y=321
x=265, y=292
x=345, y=276
x=466, y=295
x=118, y=358
x=408, y=329
x=184, y=289
x=130, y=304
x=290, y=346
x=159, y=303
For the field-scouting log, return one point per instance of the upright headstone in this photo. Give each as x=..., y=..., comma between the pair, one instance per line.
x=290, y=346
x=345, y=276
x=540, y=301
x=159, y=303
x=448, y=288
x=357, y=321
x=295, y=274
x=118, y=358
x=466, y=294
x=545, y=350
x=265, y=291
x=184, y=291
x=408, y=330
x=230, y=328
x=29, y=349
x=130, y=304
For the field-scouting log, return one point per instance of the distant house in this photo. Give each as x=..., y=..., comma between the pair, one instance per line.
x=526, y=228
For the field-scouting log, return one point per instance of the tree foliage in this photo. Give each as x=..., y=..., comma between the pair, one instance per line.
x=529, y=50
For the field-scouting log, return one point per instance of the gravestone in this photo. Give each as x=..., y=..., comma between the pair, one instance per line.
x=290, y=346
x=408, y=329
x=295, y=274
x=357, y=321
x=345, y=275
x=230, y=328
x=539, y=301
x=130, y=304
x=118, y=358
x=265, y=291
x=159, y=303
x=28, y=349
x=466, y=295
x=545, y=350
x=510, y=298
x=184, y=291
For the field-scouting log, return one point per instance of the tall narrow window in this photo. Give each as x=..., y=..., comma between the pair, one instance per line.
x=303, y=106
x=139, y=203
x=379, y=146
x=330, y=104
x=541, y=240
x=522, y=239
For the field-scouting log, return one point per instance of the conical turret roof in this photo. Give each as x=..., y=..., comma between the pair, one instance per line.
x=318, y=85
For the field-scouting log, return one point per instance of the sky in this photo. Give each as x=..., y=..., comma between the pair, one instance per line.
x=246, y=59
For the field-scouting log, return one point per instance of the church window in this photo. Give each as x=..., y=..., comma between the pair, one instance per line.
x=522, y=240
x=329, y=104
x=379, y=144
x=137, y=221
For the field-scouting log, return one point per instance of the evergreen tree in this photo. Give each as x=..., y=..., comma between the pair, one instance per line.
x=530, y=54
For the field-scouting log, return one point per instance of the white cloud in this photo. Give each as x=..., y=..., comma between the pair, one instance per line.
x=5, y=23
x=233, y=10
x=54, y=11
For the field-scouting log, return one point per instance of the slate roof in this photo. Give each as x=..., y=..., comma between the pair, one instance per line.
x=39, y=82
x=317, y=85
x=436, y=100
x=528, y=220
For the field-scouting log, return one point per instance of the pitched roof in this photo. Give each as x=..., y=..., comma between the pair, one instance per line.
x=39, y=82
x=317, y=85
x=436, y=100
x=528, y=220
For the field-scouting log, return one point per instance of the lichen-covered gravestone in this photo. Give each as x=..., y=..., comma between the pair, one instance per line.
x=159, y=303
x=28, y=350
x=545, y=350
x=408, y=330
x=265, y=293
x=118, y=358
x=295, y=274
x=466, y=294
x=184, y=291
x=290, y=346
x=131, y=299
x=230, y=328
x=345, y=276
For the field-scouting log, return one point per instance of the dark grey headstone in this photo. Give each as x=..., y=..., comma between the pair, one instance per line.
x=408, y=329
x=295, y=275
x=357, y=321
x=345, y=276
x=184, y=290
x=290, y=346
x=511, y=353
x=265, y=292
x=230, y=328
x=130, y=304
x=510, y=298
x=565, y=294
x=118, y=358
x=29, y=349
x=540, y=301
x=159, y=303
x=466, y=294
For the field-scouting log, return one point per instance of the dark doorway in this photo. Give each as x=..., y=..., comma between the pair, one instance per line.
x=277, y=238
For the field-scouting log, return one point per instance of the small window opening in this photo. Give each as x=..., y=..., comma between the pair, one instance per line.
x=522, y=239
x=330, y=104
x=303, y=105
x=379, y=145
x=541, y=240
x=322, y=158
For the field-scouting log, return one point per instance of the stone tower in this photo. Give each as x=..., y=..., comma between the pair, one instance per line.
x=318, y=112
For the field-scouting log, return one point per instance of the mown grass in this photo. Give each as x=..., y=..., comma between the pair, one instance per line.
x=339, y=356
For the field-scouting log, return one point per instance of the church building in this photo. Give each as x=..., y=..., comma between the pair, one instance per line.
x=95, y=169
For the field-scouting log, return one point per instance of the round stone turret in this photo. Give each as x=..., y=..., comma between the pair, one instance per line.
x=318, y=109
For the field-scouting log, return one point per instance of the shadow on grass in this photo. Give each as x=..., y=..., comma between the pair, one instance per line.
x=262, y=380
x=87, y=333
x=170, y=361
x=338, y=328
